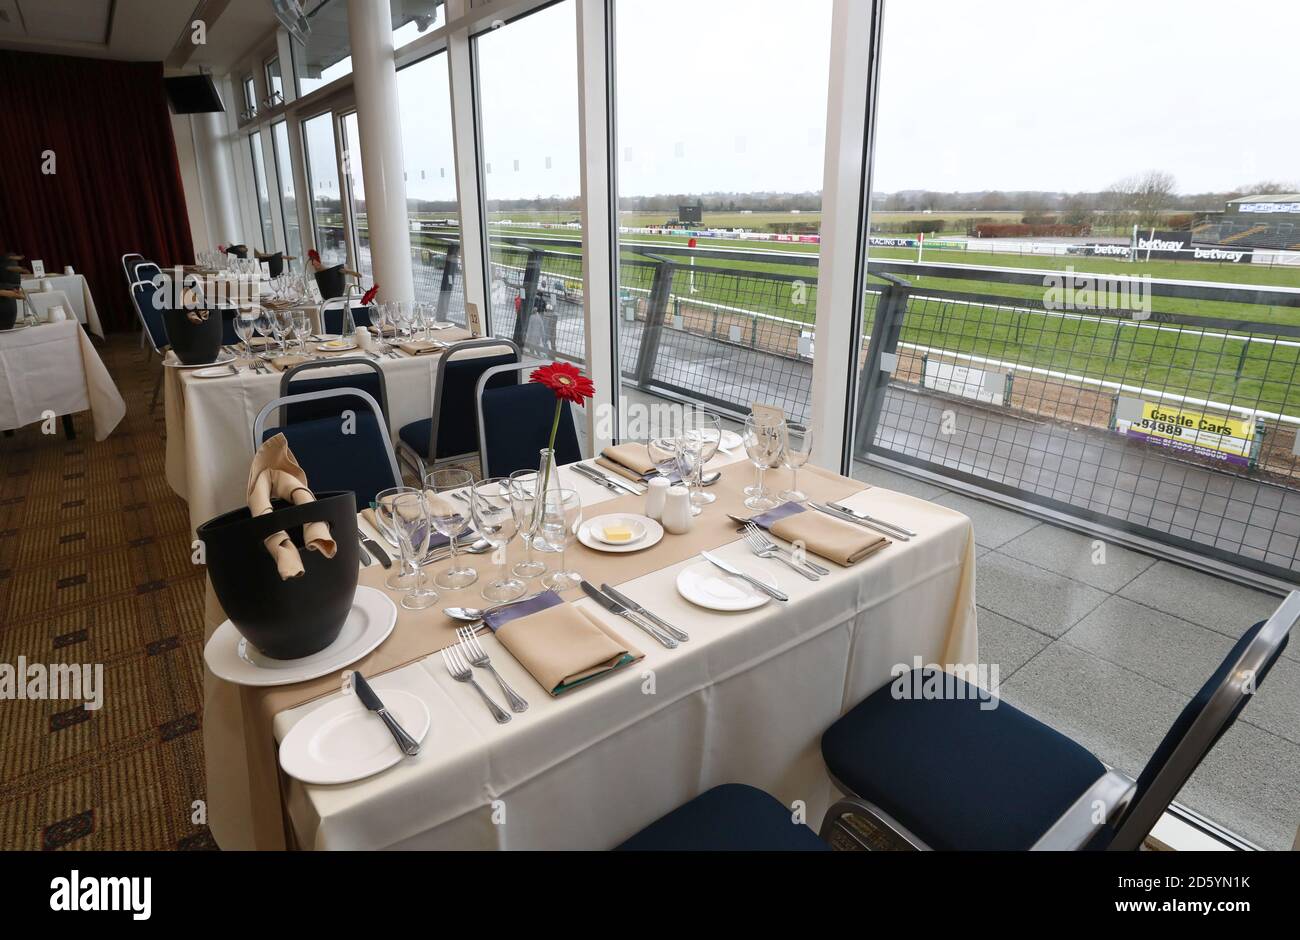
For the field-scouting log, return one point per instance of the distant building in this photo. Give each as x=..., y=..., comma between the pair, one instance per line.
x=1264, y=220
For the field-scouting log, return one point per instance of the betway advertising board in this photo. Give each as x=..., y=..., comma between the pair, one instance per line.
x=1172, y=246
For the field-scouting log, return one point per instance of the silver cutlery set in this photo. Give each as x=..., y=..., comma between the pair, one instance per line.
x=649, y=623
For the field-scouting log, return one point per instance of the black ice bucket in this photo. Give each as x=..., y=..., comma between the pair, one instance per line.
x=284, y=619
x=195, y=341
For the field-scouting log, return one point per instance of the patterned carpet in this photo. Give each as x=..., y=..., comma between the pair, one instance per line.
x=94, y=569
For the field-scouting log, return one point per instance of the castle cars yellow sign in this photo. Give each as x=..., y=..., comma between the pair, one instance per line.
x=1212, y=436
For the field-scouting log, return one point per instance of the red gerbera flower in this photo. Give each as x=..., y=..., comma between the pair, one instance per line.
x=313, y=255
x=565, y=380
x=369, y=295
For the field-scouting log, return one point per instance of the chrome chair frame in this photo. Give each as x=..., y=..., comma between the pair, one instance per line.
x=407, y=452
x=1131, y=814
x=286, y=380
x=259, y=423
x=479, y=388
x=148, y=338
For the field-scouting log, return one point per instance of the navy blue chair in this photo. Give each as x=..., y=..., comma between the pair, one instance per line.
x=129, y=261
x=335, y=456
x=143, y=297
x=342, y=375
x=451, y=432
x=730, y=818
x=331, y=315
x=945, y=773
x=514, y=423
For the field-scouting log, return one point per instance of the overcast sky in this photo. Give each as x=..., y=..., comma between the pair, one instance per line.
x=730, y=95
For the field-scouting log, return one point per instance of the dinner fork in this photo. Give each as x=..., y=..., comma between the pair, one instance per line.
x=460, y=671
x=761, y=547
x=783, y=552
x=477, y=656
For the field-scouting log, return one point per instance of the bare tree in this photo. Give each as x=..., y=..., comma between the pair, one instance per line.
x=1140, y=199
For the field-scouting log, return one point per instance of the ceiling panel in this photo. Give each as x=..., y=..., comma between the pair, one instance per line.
x=66, y=20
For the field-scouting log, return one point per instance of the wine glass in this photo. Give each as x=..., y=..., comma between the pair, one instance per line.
x=689, y=445
x=283, y=318
x=523, y=499
x=451, y=517
x=263, y=323
x=495, y=521
x=798, y=448
x=382, y=316
x=560, y=517
x=662, y=445
x=244, y=326
x=301, y=327
x=705, y=428
x=764, y=442
x=389, y=505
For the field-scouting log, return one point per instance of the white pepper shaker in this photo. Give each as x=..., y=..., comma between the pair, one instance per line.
x=677, y=511
x=655, y=495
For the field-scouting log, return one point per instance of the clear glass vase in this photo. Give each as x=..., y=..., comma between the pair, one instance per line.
x=548, y=481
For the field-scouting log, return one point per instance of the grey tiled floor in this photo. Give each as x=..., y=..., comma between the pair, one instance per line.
x=1107, y=645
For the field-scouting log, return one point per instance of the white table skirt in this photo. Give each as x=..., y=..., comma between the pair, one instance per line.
x=80, y=301
x=746, y=700
x=54, y=368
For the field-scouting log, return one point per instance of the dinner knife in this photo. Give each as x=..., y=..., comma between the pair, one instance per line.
x=373, y=547
x=615, y=607
x=581, y=470
x=679, y=635
x=866, y=518
x=846, y=517
x=614, y=478
x=732, y=569
x=410, y=747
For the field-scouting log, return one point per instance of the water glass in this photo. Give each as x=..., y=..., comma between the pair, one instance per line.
x=703, y=427
x=798, y=448
x=561, y=516
x=523, y=499
x=764, y=439
x=451, y=517
x=494, y=519
x=244, y=327
x=401, y=511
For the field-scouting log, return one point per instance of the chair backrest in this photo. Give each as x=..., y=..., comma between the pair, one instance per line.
x=355, y=454
x=370, y=380
x=129, y=260
x=455, y=390
x=514, y=423
x=330, y=281
x=144, y=271
x=1203, y=721
x=331, y=315
x=143, y=295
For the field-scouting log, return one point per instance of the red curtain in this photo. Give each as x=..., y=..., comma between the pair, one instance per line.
x=116, y=185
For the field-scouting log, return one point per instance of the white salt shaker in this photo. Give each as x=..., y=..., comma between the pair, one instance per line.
x=362, y=337
x=655, y=495
x=677, y=517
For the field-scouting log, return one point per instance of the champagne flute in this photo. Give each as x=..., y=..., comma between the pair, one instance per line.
x=560, y=518
x=451, y=517
x=495, y=521
x=763, y=439
x=244, y=330
x=523, y=499
x=408, y=574
x=798, y=448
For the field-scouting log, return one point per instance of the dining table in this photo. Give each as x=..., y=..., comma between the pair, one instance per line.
x=744, y=700
x=50, y=369
x=209, y=420
x=76, y=289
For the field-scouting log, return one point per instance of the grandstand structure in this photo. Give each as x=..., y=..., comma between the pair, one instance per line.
x=1260, y=221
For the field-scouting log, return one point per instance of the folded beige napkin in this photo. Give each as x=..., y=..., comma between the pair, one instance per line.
x=842, y=542
x=388, y=330
x=275, y=474
x=285, y=363
x=627, y=460
x=259, y=341
x=562, y=646
x=421, y=347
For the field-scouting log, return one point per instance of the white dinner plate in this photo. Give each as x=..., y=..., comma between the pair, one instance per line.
x=171, y=362
x=233, y=658
x=336, y=345
x=653, y=533
x=709, y=586
x=636, y=524
x=730, y=440
x=211, y=372
x=343, y=742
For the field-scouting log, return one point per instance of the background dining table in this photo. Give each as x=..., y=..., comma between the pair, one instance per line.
x=209, y=422
x=53, y=368
x=76, y=289
x=745, y=700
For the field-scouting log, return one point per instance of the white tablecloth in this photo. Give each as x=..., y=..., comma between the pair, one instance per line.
x=746, y=700
x=54, y=368
x=79, y=300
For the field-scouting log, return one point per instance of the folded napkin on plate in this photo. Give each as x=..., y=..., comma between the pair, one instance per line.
x=275, y=474
x=421, y=347
x=841, y=542
x=560, y=645
x=285, y=363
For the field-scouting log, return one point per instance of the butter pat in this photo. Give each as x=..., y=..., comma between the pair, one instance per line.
x=617, y=533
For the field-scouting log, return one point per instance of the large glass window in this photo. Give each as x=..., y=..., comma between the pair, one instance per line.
x=531, y=179
x=706, y=171
x=274, y=81
x=263, y=194
x=328, y=52
x=354, y=180
x=288, y=204
x=424, y=97
x=326, y=194
x=1068, y=304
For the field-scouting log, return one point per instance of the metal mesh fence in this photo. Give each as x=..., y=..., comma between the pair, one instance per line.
x=536, y=300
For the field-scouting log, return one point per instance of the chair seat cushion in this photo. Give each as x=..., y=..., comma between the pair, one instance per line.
x=733, y=817
x=956, y=775
x=416, y=436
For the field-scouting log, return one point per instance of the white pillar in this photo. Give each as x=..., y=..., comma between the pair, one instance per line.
x=217, y=178
x=374, y=81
